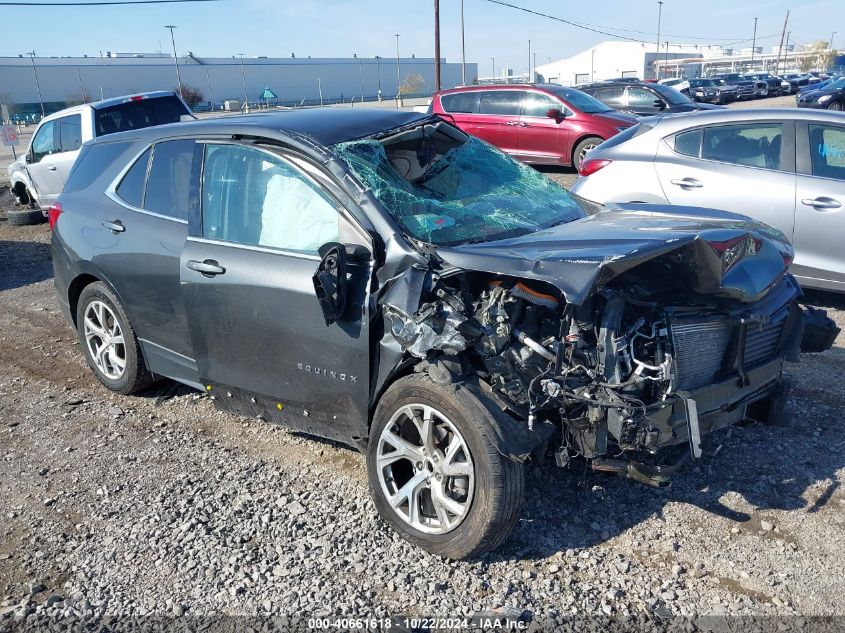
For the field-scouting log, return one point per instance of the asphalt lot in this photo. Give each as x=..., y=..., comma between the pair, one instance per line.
x=157, y=504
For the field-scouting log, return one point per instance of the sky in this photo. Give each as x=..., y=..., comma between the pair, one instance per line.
x=339, y=28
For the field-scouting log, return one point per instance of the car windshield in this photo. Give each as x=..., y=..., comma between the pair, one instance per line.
x=836, y=85
x=701, y=83
x=579, y=100
x=671, y=95
x=445, y=191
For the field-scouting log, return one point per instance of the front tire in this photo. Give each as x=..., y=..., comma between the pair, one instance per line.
x=435, y=473
x=582, y=148
x=109, y=342
x=835, y=106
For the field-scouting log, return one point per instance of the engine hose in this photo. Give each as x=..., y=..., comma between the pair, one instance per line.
x=533, y=345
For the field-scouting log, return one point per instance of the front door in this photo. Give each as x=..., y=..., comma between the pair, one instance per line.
x=260, y=340
x=541, y=139
x=820, y=206
x=41, y=163
x=745, y=168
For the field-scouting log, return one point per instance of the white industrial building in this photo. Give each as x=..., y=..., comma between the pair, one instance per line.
x=295, y=80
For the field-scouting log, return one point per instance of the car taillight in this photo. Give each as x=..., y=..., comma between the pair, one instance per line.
x=592, y=166
x=53, y=214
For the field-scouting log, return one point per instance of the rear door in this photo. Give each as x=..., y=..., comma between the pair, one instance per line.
x=611, y=96
x=261, y=343
x=461, y=108
x=746, y=168
x=498, y=119
x=69, y=141
x=820, y=205
x=541, y=139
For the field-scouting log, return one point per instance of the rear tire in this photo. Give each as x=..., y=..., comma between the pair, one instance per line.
x=25, y=218
x=101, y=322
x=494, y=484
x=582, y=148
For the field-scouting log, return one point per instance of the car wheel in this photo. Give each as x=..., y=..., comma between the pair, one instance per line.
x=435, y=473
x=26, y=217
x=582, y=148
x=835, y=106
x=109, y=341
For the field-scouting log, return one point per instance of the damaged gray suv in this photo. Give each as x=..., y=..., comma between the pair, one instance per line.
x=382, y=279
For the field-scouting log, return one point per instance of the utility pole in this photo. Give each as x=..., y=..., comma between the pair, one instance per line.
x=361, y=76
x=436, y=45
x=659, y=18
x=754, y=41
x=81, y=88
x=464, y=49
x=175, y=56
x=529, y=61
x=493, y=61
x=831, y=40
x=780, y=48
x=37, y=84
x=398, y=73
x=243, y=79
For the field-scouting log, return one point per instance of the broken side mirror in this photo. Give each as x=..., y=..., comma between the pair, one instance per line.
x=330, y=281
x=556, y=114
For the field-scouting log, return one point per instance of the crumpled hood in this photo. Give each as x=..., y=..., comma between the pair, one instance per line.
x=581, y=256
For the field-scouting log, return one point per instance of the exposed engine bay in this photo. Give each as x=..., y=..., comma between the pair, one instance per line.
x=617, y=375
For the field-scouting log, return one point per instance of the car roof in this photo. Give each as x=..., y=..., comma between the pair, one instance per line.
x=679, y=121
x=482, y=87
x=325, y=125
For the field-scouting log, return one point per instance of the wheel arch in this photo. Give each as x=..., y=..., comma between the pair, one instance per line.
x=579, y=140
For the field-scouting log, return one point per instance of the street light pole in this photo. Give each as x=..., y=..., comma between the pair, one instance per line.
x=493, y=61
x=464, y=49
x=398, y=73
x=37, y=83
x=659, y=18
x=175, y=56
x=529, y=61
x=243, y=79
x=754, y=42
x=831, y=40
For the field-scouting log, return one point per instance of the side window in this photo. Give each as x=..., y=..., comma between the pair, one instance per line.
x=70, y=133
x=755, y=145
x=827, y=151
x=169, y=180
x=537, y=104
x=131, y=188
x=255, y=198
x=44, y=142
x=640, y=97
x=689, y=143
x=611, y=96
x=459, y=102
x=501, y=102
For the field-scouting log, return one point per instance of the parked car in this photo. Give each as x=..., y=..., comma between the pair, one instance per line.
x=39, y=174
x=642, y=99
x=829, y=97
x=745, y=88
x=681, y=85
x=792, y=160
x=538, y=124
x=711, y=91
x=773, y=83
x=796, y=81
x=822, y=84
x=383, y=279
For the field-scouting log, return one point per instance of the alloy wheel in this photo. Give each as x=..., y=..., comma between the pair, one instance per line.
x=104, y=339
x=584, y=151
x=836, y=107
x=425, y=469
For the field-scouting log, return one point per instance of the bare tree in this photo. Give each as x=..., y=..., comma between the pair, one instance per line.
x=191, y=95
x=816, y=56
x=413, y=84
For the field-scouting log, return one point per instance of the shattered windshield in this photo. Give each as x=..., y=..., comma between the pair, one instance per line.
x=470, y=193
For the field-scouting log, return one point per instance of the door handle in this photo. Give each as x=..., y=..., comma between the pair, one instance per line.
x=822, y=203
x=511, y=123
x=115, y=226
x=687, y=183
x=52, y=168
x=207, y=267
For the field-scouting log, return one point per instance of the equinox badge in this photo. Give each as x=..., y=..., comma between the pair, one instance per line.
x=327, y=373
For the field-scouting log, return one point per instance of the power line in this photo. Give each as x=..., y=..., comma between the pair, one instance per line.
x=598, y=28
x=95, y=3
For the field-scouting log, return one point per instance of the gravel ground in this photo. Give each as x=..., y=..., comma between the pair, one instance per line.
x=159, y=505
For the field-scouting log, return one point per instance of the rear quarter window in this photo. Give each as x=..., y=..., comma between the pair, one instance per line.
x=93, y=160
x=135, y=115
x=459, y=102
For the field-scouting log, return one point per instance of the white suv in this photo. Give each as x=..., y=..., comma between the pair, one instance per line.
x=38, y=176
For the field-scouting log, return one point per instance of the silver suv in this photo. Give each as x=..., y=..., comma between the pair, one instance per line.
x=38, y=176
